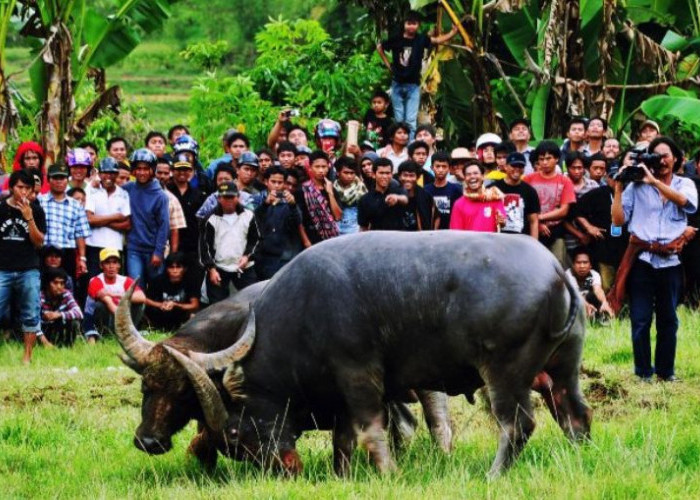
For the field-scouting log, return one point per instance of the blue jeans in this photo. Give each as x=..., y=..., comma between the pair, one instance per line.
x=405, y=98
x=348, y=224
x=23, y=287
x=654, y=291
x=138, y=265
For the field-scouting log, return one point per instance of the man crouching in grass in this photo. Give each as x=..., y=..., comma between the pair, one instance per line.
x=104, y=293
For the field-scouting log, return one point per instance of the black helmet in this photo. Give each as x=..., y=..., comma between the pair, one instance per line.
x=108, y=165
x=143, y=155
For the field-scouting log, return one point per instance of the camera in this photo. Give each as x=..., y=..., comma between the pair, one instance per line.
x=635, y=173
x=291, y=113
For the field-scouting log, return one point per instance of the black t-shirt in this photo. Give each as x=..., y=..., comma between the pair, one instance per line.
x=376, y=128
x=595, y=206
x=16, y=250
x=445, y=197
x=373, y=212
x=162, y=289
x=520, y=201
x=407, y=57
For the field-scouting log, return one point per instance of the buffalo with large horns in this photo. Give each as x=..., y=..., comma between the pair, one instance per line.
x=355, y=321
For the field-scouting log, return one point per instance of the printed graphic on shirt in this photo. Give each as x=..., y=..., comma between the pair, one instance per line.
x=443, y=204
x=14, y=229
x=515, y=213
x=405, y=58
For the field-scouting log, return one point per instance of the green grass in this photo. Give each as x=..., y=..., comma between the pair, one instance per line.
x=66, y=425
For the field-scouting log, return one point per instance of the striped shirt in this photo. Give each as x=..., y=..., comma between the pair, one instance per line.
x=66, y=221
x=66, y=305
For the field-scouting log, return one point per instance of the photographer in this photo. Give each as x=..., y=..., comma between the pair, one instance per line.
x=655, y=204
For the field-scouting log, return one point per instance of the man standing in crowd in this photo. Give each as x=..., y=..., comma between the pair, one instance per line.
x=595, y=134
x=420, y=214
x=480, y=208
x=520, y=137
x=176, y=215
x=520, y=199
x=22, y=228
x=118, y=149
x=444, y=193
x=382, y=208
x=67, y=225
x=109, y=214
x=150, y=221
x=656, y=210
x=575, y=137
x=407, y=52
x=556, y=193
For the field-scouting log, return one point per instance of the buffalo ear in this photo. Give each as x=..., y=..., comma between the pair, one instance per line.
x=233, y=381
x=131, y=363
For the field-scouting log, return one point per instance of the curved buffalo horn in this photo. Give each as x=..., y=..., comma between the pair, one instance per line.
x=219, y=360
x=129, y=337
x=215, y=413
x=130, y=363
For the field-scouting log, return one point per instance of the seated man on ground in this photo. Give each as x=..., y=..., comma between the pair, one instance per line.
x=60, y=313
x=590, y=285
x=172, y=298
x=104, y=293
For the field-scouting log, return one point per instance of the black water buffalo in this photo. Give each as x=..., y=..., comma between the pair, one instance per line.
x=171, y=400
x=356, y=320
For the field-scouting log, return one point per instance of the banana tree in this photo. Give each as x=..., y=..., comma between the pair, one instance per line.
x=8, y=112
x=72, y=40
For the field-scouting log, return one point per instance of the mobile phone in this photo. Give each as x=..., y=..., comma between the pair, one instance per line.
x=615, y=231
x=291, y=113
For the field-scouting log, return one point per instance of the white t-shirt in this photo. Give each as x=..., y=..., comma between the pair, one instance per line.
x=100, y=203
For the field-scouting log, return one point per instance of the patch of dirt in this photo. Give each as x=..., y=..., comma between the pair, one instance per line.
x=590, y=373
x=127, y=380
x=605, y=391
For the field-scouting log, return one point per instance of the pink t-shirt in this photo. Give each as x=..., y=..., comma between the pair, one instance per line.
x=470, y=215
x=553, y=192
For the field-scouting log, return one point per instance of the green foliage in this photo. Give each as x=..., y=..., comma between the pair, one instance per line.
x=679, y=111
x=206, y=55
x=218, y=104
x=298, y=66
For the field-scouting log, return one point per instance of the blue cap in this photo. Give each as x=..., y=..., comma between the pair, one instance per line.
x=516, y=159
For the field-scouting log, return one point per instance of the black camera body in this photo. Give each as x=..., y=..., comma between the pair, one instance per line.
x=635, y=173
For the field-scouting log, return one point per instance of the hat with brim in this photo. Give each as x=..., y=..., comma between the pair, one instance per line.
x=650, y=123
x=516, y=159
x=108, y=253
x=58, y=170
x=227, y=189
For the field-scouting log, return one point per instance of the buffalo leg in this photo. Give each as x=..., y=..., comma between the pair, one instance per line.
x=401, y=424
x=344, y=441
x=437, y=417
x=364, y=393
x=203, y=448
x=513, y=410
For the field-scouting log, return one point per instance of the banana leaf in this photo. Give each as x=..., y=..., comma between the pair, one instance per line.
x=683, y=109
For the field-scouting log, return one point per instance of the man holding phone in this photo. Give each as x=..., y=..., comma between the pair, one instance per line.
x=22, y=228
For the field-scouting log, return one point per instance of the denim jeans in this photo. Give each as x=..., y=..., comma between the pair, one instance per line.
x=22, y=287
x=348, y=224
x=138, y=265
x=405, y=98
x=654, y=291
x=102, y=321
x=217, y=293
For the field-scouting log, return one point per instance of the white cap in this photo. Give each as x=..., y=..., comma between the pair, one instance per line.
x=488, y=138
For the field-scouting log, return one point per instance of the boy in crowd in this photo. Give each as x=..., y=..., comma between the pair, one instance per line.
x=459, y=158
x=118, y=149
x=520, y=199
x=596, y=165
x=519, y=135
x=278, y=219
x=590, y=285
x=156, y=141
x=104, y=293
x=377, y=120
x=349, y=189
x=596, y=129
x=124, y=174
x=109, y=214
x=420, y=214
x=407, y=52
x=286, y=153
x=80, y=169
x=22, y=228
x=556, y=193
x=318, y=203
x=172, y=298
x=52, y=258
x=382, y=208
x=246, y=179
x=60, y=313
x=575, y=137
x=480, y=208
x=418, y=152
x=444, y=193
x=150, y=219
x=227, y=245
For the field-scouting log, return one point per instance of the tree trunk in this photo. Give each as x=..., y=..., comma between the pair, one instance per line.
x=8, y=118
x=57, y=110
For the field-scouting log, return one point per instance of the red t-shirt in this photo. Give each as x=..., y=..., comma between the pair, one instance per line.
x=470, y=215
x=116, y=290
x=553, y=192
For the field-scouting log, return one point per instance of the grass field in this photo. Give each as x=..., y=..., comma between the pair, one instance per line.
x=153, y=76
x=67, y=422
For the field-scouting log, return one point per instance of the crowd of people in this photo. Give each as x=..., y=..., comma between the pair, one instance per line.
x=76, y=233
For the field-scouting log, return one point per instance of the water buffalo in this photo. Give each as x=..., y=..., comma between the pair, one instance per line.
x=171, y=400
x=356, y=320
